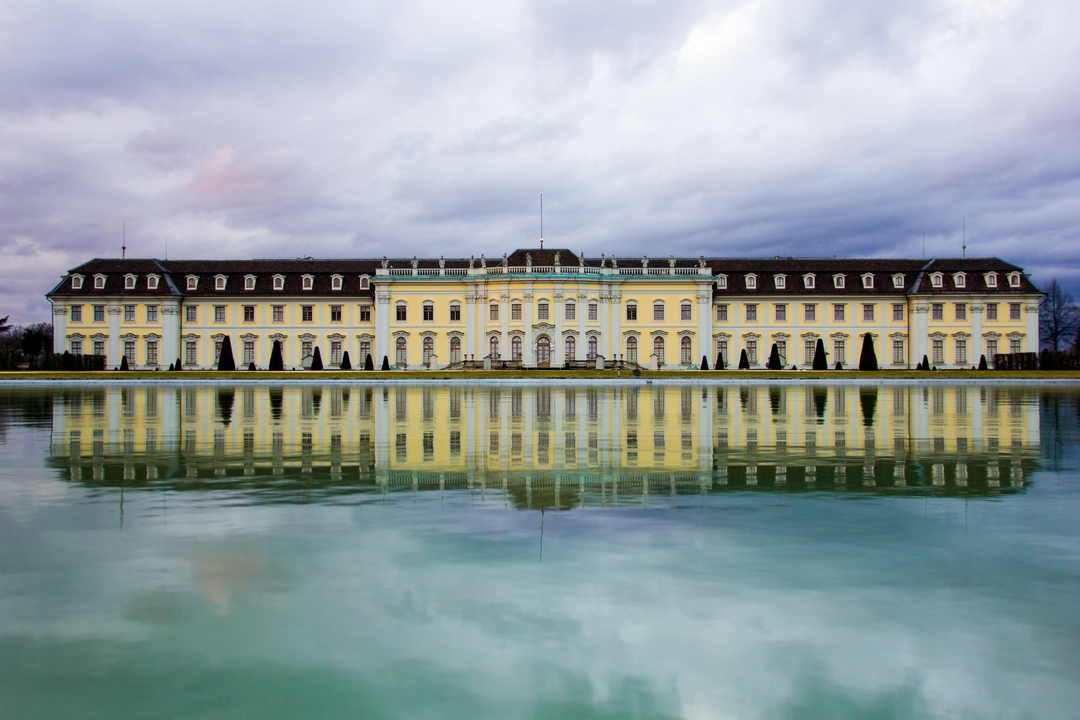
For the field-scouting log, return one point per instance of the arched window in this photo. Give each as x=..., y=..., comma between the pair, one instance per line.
x=515, y=348
x=658, y=349
x=685, y=350
x=592, y=347
x=364, y=283
x=429, y=349
x=400, y=351
x=571, y=347
x=455, y=349
x=631, y=349
x=493, y=347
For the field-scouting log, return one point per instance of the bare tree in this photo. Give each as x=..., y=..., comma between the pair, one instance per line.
x=1059, y=318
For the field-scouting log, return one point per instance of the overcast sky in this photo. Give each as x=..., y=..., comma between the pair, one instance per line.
x=282, y=129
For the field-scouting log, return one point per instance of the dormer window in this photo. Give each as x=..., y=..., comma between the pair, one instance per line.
x=365, y=283
x=308, y=282
x=335, y=282
x=809, y=281
x=192, y=282
x=780, y=282
x=839, y=282
x=279, y=282
x=129, y=281
x=868, y=281
x=99, y=282
x=721, y=282
x=152, y=282
x=959, y=280
x=751, y=282
x=220, y=281
x=249, y=282
x=991, y=280
x=898, y=281
x=936, y=280
x=76, y=282
x=1014, y=279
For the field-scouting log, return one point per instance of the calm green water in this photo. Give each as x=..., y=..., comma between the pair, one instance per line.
x=539, y=552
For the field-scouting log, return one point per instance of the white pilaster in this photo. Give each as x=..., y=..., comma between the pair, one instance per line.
x=170, y=332
x=60, y=327
x=558, y=349
x=529, y=350
x=382, y=324
x=113, y=355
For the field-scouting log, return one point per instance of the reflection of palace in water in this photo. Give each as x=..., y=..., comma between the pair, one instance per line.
x=551, y=444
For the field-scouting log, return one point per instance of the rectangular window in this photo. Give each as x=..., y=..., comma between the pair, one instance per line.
x=751, y=351
x=129, y=313
x=152, y=313
x=592, y=311
x=306, y=348
x=217, y=350
x=897, y=312
x=365, y=350
x=961, y=352
x=809, y=348
x=279, y=313
x=721, y=350
x=76, y=347
x=961, y=311
x=542, y=311
x=898, y=356
x=937, y=311
x=249, y=313
x=455, y=313
x=307, y=313
x=991, y=348
x=99, y=313
x=515, y=311
x=868, y=313
x=1014, y=311
x=685, y=312
x=751, y=312
x=151, y=352
x=335, y=313
x=839, y=312
x=76, y=313
x=129, y=351
x=190, y=354
x=839, y=349
x=570, y=311
x=219, y=313
x=810, y=312
x=191, y=313
x=365, y=313
x=1014, y=346
x=938, y=352
x=658, y=311
x=991, y=311
x=335, y=352
x=429, y=313
x=249, y=352
x=493, y=312
x=99, y=347
x=721, y=313
x=631, y=312
x=781, y=312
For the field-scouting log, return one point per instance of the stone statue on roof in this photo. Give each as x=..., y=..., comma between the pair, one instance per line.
x=644, y=262
x=671, y=262
x=701, y=261
x=556, y=258
x=602, y=259
x=415, y=262
x=581, y=260
x=504, y=260
x=385, y=262
x=471, y=261
x=483, y=261
x=442, y=262
x=528, y=259
x=614, y=262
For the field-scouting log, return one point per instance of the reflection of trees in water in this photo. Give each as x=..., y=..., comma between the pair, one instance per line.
x=1060, y=427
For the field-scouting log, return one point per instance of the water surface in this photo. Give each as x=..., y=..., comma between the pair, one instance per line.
x=539, y=552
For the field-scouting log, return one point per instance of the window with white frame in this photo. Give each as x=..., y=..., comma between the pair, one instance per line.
x=991, y=280
x=1015, y=346
x=810, y=312
x=279, y=282
x=191, y=313
x=960, y=280
x=631, y=311
x=898, y=281
x=365, y=313
x=780, y=282
x=780, y=312
x=307, y=282
x=401, y=313
x=991, y=311
x=898, y=355
x=365, y=283
x=76, y=313
x=151, y=313
x=129, y=313
x=192, y=282
x=152, y=282
x=151, y=352
x=278, y=313
x=722, y=313
x=493, y=311
x=839, y=312
x=129, y=351
x=335, y=313
x=249, y=282
x=455, y=312
x=129, y=282
x=249, y=313
x=936, y=280
x=593, y=314
x=335, y=283
x=937, y=311
x=937, y=350
x=76, y=346
x=569, y=311
x=658, y=311
x=219, y=313
x=839, y=349
x=839, y=282
x=809, y=281
x=220, y=282
x=99, y=313
x=542, y=310
x=249, y=352
x=76, y=282
x=991, y=348
x=961, y=351
x=867, y=281
x=809, y=348
x=685, y=311
x=721, y=282
x=1014, y=311
x=99, y=282
x=751, y=282
x=751, y=312
x=515, y=311
x=335, y=352
x=960, y=311
x=868, y=312
x=429, y=312
x=1014, y=279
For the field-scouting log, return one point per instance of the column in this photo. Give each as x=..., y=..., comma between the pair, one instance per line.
x=529, y=351
x=113, y=354
x=704, y=344
x=977, y=343
x=615, y=343
x=1031, y=341
x=583, y=314
x=469, y=346
x=558, y=349
x=60, y=329
x=504, y=319
x=917, y=326
x=605, y=320
x=382, y=324
x=170, y=332
x=481, y=320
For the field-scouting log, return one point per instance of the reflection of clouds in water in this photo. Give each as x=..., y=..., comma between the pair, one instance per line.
x=218, y=578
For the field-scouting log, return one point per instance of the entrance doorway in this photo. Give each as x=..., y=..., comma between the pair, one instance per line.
x=543, y=352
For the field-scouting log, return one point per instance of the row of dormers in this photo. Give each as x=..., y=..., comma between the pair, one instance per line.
x=839, y=280
x=307, y=282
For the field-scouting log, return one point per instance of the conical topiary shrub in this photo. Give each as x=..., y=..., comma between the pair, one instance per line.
x=277, y=364
x=704, y=362
x=868, y=360
x=316, y=359
x=369, y=364
x=838, y=366
x=251, y=367
x=982, y=363
x=926, y=363
x=820, y=362
x=774, y=359
x=385, y=363
x=171, y=367
x=744, y=362
x=123, y=363
x=226, y=361
x=720, y=361
x=177, y=366
x=346, y=363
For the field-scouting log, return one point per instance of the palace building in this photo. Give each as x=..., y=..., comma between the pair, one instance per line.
x=545, y=308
